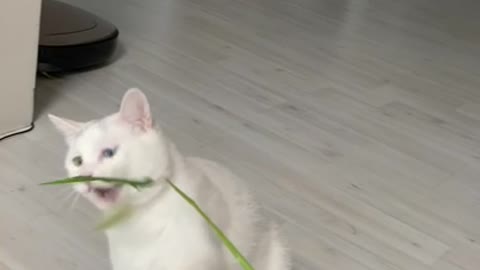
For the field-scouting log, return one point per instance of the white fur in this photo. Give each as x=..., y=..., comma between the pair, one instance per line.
x=165, y=232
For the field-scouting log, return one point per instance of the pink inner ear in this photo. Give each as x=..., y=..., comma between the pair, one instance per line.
x=135, y=110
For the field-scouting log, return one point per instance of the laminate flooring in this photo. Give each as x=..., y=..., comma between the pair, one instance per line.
x=356, y=123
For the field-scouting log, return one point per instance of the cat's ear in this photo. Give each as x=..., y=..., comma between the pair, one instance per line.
x=135, y=109
x=67, y=127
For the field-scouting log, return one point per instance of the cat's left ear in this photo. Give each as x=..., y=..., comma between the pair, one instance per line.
x=135, y=110
x=67, y=127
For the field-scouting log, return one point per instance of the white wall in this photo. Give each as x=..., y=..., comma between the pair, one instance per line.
x=19, y=28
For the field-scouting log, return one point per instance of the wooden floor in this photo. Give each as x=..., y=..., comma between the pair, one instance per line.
x=356, y=122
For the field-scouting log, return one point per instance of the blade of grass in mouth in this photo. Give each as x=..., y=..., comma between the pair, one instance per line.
x=125, y=212
x=83, y=179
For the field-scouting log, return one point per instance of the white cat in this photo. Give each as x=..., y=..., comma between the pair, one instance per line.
x=165, y=232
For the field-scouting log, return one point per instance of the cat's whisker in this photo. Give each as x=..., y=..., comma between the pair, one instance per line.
x=67, y=197
x=63, y=191
x=74, y=202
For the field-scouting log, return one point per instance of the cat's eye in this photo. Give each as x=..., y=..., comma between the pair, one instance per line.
x=77, y=161
x=108, y=152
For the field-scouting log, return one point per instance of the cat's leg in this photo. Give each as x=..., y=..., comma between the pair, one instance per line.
x=201, y=265
x=193, y=246
x=209, y=261
x=272, y=253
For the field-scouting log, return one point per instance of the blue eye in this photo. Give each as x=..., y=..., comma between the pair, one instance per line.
x=108, y=152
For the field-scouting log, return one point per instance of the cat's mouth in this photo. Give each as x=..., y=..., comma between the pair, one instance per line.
x=106, y=194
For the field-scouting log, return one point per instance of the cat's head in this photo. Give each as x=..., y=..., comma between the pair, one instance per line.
x=121, y=145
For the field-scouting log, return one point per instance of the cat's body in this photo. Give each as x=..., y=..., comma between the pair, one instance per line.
x=165, y=232
x=179, y=233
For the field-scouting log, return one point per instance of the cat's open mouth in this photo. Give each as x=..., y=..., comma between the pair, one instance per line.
x=107, y=194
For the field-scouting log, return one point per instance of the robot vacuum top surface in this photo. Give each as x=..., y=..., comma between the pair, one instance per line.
x=65, y=25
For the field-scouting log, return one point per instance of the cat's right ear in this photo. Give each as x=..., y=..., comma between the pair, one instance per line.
x=67, y=127
x=135, y=110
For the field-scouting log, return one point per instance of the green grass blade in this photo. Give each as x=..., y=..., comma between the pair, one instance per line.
x=125, y=212
x=83, y=179
x=231, y=247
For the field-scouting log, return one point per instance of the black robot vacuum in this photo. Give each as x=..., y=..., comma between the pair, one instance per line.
x=73, y=39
